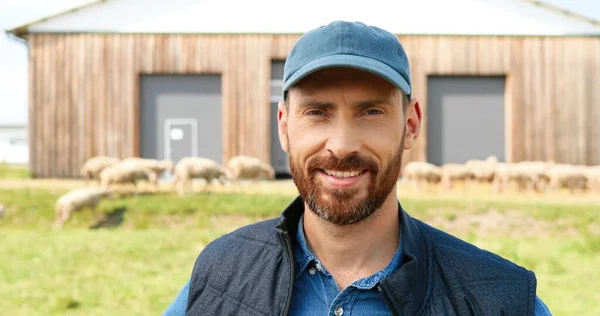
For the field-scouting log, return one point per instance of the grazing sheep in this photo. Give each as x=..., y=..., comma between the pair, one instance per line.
x=198, y=168
x=93, y=166
x=526, y=174
x=452, y=172
x=127, y=173
x=568, y=176
x=76, y=200
x=419, y=172
x=483, y=170
x=593, y=178
x=534, y=174
x=246, y=167
x=157, y=166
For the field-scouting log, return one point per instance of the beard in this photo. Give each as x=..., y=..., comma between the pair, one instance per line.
x=345, y=206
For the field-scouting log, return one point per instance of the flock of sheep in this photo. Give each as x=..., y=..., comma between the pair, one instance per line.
x=532, y=175
x=110, y=173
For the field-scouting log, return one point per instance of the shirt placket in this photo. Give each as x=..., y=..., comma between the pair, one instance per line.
x=343, y=301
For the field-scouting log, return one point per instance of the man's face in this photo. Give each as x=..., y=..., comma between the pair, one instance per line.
x=344, y=131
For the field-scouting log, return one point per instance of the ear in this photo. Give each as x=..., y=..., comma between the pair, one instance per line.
x=413, y=121
x=282, y=117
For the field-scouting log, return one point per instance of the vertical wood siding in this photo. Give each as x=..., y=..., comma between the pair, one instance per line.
x=84, y=91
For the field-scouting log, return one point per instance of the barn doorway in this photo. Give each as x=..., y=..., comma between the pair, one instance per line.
x=465, y=118
x=279, y=158
x=180, y=115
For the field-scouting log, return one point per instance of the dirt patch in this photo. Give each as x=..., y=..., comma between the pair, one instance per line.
x=513, y=223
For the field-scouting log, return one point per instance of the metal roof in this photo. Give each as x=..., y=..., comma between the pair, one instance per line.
x=435, y=17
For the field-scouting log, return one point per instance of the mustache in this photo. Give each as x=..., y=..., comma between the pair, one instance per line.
x=349, y=163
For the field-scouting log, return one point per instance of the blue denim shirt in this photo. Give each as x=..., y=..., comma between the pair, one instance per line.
x=316, y=293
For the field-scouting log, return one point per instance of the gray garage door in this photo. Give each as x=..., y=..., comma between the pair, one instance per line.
x=180, y=116
x=465, y=118
x=279, y=158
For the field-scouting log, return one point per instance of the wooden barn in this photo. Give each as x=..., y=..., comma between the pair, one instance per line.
x=517, y=79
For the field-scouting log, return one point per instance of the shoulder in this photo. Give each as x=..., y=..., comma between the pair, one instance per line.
x=457, y=251
x=540, y=308
x=235, y=248
x=489, y=279
x=261, y=234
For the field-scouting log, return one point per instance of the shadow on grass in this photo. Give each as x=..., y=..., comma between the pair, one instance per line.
x=112, y=219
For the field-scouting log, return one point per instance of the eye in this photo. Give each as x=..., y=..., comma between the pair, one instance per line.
x=371, y=112
x=314, y=112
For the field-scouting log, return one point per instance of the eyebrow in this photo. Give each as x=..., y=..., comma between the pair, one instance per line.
x=359, y=105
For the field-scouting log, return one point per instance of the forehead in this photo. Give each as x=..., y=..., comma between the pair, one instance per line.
x=331, y=80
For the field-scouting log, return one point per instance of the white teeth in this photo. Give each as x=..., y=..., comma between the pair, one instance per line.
x=342, y=174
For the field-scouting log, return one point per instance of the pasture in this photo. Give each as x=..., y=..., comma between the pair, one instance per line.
x=133, y=257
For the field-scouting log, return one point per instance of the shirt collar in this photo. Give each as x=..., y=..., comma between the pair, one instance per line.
x=410, y=282
x=304, y=256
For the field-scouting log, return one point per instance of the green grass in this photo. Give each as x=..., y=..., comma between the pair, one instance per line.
x=13, y=171
x=133, y=257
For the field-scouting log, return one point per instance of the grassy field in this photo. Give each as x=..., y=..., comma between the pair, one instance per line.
x=138, y=252
x=13, y=171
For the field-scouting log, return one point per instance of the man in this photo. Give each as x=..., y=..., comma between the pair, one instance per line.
x=345, y=246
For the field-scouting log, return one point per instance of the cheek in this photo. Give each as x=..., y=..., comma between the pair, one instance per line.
x=381, y=140
x=304, y=141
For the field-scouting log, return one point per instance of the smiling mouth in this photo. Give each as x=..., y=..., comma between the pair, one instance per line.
x=343, y=174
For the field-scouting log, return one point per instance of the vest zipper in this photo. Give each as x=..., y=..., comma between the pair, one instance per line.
x=288, y=245
x=387, y=300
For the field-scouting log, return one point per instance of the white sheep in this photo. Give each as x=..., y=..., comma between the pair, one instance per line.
x=127, y=173
x=157, y=166
x=452, y=172
x=526, y=174
x=593, y=178
x=93, y=166
x=483, y=170
x=572, y=177
x=76, y=200
x=534, y=174
x=246, y=167
x=419, y=172
x=190, y=168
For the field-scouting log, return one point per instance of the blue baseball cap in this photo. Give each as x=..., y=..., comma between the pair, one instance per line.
x=348, y=44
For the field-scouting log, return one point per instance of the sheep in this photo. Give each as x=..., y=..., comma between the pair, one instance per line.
x=452, y=172
x=198, y=168
x=483, y=170
x=126, y=173
x=418, y=172
x=593, y=178
x=2, y=208
x=534, y=174
x=526, y=174
x=157, y=166
x=93, y=166
x=246, y=167
x=567, y=176
x=76, y=200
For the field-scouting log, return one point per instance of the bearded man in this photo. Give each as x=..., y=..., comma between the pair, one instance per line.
x=345, y=245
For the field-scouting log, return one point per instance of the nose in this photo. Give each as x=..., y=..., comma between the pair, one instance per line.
x=343, y=141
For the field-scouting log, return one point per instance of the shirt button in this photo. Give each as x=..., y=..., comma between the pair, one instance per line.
x=339, y=311
x=312, y=270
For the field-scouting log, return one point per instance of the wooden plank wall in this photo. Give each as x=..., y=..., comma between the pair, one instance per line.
x=84, y=90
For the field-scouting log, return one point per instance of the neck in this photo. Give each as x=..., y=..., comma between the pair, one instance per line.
x=355, y=251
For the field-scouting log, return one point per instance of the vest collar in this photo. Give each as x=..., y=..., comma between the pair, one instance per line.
x=406, y=287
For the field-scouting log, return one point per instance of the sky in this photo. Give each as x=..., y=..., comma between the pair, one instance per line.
x=13, y=55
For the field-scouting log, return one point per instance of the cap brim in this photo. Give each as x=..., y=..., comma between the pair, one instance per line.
x=351, y=61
